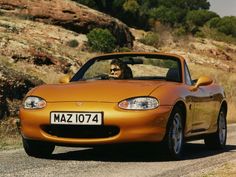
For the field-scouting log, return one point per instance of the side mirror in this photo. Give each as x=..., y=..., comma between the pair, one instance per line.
x=65, y=79
x=202, y=81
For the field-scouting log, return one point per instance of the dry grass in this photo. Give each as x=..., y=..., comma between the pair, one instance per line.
x=232, y=112
x=9, y=135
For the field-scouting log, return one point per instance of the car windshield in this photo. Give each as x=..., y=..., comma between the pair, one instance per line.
x=131, y=67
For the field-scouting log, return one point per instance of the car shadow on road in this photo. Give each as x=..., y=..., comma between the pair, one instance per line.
x=136, y=153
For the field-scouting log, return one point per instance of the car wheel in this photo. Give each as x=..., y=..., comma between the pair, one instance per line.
x=175, y=134
x=218, y=139
x=38, y=148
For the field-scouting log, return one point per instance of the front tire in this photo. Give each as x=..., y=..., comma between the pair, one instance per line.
x=218, y=139
x=174, y=140
x=38, y=148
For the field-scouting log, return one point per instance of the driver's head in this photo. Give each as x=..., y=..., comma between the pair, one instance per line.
x=117, y=69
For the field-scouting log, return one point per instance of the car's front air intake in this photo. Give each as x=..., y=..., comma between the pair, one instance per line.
x=75, y=131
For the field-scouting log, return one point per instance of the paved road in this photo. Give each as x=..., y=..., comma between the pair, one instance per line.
x=138, y=162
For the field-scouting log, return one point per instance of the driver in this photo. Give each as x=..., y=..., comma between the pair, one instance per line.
x=120, y=70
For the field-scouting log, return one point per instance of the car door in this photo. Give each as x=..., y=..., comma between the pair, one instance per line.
x=202, y=105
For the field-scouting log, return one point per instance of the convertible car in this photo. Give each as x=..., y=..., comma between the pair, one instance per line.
x=153, y=100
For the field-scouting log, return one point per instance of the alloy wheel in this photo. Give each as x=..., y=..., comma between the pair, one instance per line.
x=177, y=133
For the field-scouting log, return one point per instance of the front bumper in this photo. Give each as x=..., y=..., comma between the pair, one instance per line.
x=130, y=125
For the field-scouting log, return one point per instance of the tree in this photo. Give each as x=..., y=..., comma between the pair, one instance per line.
x=163, y=14
x=186, y=4
x=197, y=4
x=138, y=13
x=172, y=16
x=212, y=23
x=227, y=25
x=197, y=18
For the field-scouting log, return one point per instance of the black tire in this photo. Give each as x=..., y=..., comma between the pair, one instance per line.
x=38, y=148
x=218, y=140
x=174, y=139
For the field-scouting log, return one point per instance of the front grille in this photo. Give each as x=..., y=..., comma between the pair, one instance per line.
x=78, y=131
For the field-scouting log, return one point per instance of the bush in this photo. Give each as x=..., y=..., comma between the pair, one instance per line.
x=73, y=43
x=214, y=34
x=151, y=39
x=212, y=23
x=181, y=31
x=131, y=6
x=226, y=25
x=101, y=40
x=197, y=18
x=200, y=17
x=124, y=49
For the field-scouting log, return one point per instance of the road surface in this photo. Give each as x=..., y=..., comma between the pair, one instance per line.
x=132, y=161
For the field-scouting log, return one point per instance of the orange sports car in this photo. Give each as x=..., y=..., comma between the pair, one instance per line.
x=123, y=98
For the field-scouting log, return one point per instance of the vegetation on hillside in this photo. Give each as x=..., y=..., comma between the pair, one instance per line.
x=142, y=12
x=185, y=16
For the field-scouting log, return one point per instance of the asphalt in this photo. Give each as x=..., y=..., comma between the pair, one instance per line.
x=130, y=161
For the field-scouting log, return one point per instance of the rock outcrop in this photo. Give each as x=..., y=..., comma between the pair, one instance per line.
x=69, y=15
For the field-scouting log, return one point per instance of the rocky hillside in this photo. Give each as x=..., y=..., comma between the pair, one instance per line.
x=67, y=14
x=43, y=40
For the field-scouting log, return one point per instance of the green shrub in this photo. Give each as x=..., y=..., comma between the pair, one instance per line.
x=73, y=43
x=131, y=6
x=214, y=34
x=227, y=25
x=124, y=49
x=151, y=39
x=212, y=23
x=181, y=31
x=197, y=18
x=200, y=17
x=101, y=40
x=200, y=34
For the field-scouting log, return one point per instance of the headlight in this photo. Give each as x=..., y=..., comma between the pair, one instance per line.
x=139, y=103
x=33, y=102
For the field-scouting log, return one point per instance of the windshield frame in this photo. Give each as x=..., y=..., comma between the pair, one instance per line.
x=80, y=73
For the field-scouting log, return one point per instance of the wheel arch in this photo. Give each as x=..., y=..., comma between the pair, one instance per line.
x=168, y=141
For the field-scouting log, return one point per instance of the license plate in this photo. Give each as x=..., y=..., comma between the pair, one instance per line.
x=76, y=118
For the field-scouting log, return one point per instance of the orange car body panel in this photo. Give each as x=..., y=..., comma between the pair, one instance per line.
x=133, y=126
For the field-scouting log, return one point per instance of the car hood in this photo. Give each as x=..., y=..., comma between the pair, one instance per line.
x=95, y=90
